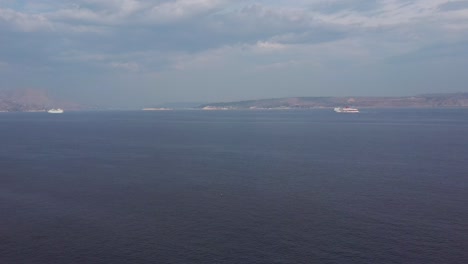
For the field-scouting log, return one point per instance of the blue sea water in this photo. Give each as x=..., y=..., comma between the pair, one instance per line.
x=382, y=186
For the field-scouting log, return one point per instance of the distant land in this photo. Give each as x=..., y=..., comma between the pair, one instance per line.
x=448, y=100
x=180, y=105
x=34, y=100
x=174, y=106
x=37, y=100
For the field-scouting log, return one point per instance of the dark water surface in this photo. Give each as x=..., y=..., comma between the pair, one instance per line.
x=383, y=186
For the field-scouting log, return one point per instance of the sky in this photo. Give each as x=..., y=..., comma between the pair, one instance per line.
x=142, y=53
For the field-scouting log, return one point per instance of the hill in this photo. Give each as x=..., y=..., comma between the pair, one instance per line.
x=421, y=101
x=32, y=100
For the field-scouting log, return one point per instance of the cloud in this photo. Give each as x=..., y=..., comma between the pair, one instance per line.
x=269, y=46
x=23, y=22
x=180, y=9
x=128, y=66
x=142, y=37
x=454, y=6
x=276, y=66
x=3, y=65
x=386, y=13
x=132, y=12
x=179, y=26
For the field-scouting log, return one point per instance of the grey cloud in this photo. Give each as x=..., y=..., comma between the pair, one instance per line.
x=316, y=35
x=120, y=42
x=453, y=51
x=131, y=12
x=23, y=22
x=330, y=7
x=454, y=5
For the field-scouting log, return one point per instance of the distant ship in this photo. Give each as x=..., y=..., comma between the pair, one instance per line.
x=346, y=110
x=55, y=111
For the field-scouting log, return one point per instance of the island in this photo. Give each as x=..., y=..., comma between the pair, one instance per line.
x=35, y=100
x=447, y=100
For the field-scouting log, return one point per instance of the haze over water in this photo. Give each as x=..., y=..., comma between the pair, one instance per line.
x=383, y=186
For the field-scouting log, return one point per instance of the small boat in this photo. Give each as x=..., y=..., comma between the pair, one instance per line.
x=55, y=111
x=346, y=110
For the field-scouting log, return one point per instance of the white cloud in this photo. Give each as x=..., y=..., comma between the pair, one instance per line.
x=132, y=12
x=266, y=46
x=77, y=15
x=24, y=22
x=388, y=13
x=127, y=66
x=180, y=9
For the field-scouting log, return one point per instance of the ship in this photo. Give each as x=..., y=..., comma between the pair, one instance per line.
x=346, y=110
x=55, y=111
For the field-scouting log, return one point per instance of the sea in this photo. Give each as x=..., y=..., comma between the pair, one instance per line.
x=293, y=186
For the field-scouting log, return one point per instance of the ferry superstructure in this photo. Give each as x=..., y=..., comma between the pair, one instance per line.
x=346, y=110
x=55, y=111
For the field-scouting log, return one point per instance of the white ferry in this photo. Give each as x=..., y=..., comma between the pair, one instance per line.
x=346, y=110
x=55, y=111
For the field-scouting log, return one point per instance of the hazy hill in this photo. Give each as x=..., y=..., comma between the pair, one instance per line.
x=429, y=100
x=22, y=100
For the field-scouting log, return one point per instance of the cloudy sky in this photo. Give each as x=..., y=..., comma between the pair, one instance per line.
x=141, y=52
